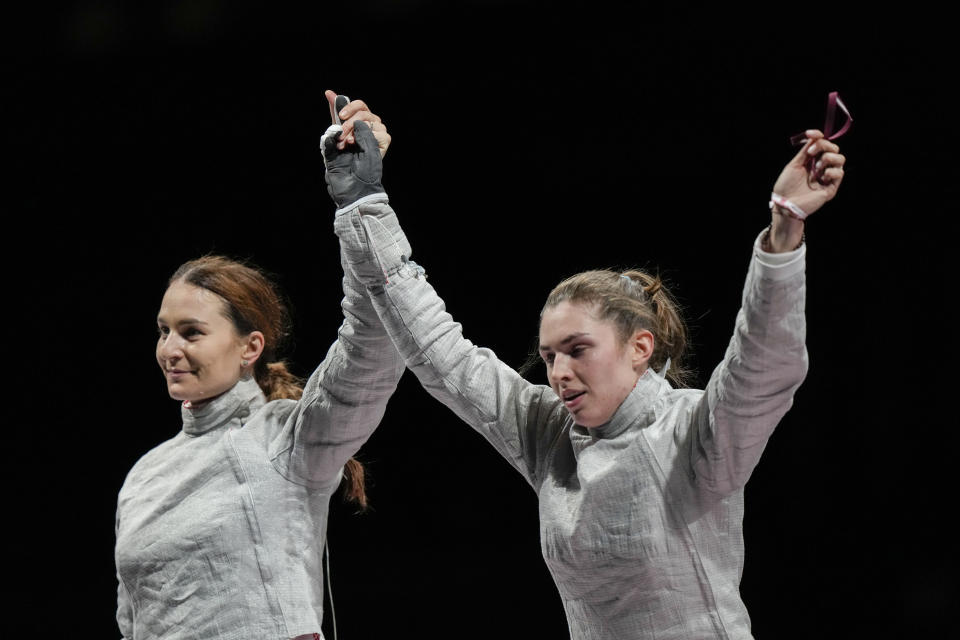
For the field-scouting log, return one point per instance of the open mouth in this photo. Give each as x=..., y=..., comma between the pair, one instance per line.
x=571, y=399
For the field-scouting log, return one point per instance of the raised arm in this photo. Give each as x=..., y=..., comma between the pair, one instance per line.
x=345, y=397
x=751, y=390
x=519, y=419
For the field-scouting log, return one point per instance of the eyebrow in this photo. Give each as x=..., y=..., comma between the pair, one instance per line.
x=184, y=321
x=570, y=338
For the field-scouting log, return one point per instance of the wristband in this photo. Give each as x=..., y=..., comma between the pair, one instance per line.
x=790, y=208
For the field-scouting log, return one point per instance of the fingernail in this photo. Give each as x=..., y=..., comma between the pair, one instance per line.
x=343, y=113
x=812, y=149
x=818, y=164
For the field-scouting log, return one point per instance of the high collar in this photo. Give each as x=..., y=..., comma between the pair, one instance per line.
x=636, y=411
x=231, y=408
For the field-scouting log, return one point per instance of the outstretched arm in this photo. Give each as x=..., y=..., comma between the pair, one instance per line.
x=519, y=419
x=345, y=398
x=766, y=360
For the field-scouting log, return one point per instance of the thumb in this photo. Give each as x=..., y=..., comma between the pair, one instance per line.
x=328, y=142
x=802, y=156
x=364, y=137
x=369, y=167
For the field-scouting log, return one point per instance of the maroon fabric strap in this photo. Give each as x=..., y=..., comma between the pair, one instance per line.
x=833, y=101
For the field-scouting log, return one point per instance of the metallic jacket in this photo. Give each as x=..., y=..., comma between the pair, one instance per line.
x=221, y=529
x=641, y=518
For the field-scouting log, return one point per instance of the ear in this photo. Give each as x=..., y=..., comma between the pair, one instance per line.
x=253, y=344
x=641, y=348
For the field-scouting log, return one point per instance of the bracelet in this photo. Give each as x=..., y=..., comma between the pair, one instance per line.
x=792, y=209
x=765, y=240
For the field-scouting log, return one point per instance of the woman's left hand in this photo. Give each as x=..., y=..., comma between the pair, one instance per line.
x=809, y=180
x=358, y=110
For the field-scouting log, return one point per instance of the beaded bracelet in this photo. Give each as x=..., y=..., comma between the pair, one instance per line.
x=782, y=206
x=765, y=240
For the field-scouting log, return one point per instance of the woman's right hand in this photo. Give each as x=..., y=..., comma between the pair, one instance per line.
x=357, y=110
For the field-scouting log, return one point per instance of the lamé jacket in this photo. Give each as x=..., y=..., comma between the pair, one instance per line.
x=640, y=518
x=221, y=529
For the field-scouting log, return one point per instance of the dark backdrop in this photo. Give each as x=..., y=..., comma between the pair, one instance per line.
x=530, y=142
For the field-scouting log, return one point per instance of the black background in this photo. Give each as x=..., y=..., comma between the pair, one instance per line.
x=530, y=142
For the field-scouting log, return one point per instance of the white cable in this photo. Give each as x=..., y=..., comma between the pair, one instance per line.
x=333, y=613
x=666, y=367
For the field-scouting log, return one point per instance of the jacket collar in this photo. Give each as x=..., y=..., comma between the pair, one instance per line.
x=636, y=411
x=231, y=408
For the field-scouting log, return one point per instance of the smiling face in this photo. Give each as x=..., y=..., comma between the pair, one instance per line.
x=199, y=349
x=589, y=367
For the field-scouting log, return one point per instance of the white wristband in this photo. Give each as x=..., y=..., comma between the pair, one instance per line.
x=792, y=209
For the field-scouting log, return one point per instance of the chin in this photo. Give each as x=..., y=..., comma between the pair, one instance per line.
x=586, y=423
x=178, y=393
x=591, y=422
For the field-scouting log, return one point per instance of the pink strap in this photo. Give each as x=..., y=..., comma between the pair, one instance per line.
x=833, y=101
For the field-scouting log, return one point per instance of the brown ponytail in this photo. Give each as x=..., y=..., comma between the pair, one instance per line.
x=633, y=300
x=276, y=381
x=356, y=478
x=252, y=303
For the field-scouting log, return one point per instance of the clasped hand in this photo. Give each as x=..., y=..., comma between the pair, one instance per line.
x=352, y=153
x=809, y=185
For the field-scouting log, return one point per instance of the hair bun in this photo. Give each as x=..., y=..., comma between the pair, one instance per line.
x=654, y=287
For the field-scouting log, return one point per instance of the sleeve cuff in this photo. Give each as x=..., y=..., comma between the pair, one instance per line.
x=373, y=197
x=779, y=266
x=373, y=244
